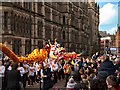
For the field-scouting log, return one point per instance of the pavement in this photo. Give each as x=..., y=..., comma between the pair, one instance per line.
x=58, y=86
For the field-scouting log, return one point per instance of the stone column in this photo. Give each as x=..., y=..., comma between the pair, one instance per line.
x=23, y=46
x=43, y=32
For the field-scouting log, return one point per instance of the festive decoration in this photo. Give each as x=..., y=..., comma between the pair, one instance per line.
x=55, y=52
x=9, y=53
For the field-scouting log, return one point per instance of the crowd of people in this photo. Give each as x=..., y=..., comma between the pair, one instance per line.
x=99, y=72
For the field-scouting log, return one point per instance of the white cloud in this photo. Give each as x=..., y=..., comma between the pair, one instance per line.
x=108, y=14
x=112, y=30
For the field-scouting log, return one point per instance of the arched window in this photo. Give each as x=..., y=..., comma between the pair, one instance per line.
x=40, y=29
x=63, y=35
x=54, y=33
x=63, y=19
x=5, y=21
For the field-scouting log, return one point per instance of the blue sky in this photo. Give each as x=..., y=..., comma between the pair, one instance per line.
x=108, y=16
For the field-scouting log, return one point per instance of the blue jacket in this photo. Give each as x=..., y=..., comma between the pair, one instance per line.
x=108, y=66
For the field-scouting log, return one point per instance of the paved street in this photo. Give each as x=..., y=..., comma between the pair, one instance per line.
x=57, y=86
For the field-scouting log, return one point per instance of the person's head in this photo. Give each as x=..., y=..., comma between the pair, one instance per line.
x=85, y=65
x=81, y=71
x=56, y=61
x=103, y=57
x=71, y=80
x=14, y=65
x=117, y=61
x=7, y=65
x=96, y=84
x=31, y=64
x=83, y=76
x=41, y=65
x=11, y=62
x=25, y=62
x=92, y=75
x=20, y=64
x=46, y=66
x=118, y=72
x=88, y=60
x=111, y=82
x=88, y=70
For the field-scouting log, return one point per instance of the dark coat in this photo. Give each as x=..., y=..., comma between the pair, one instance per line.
x=108, y=66
x=12, y=79
x=47, y=82
x=80, y=86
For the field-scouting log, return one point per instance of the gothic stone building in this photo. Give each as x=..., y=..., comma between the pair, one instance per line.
x=28, y=25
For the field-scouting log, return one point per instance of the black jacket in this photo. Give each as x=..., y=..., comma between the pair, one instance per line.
x=47, y=82
x=12, y=78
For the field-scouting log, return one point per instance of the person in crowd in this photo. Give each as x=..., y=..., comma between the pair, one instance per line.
x=25, y=75
x=13, y=78
x=47, y=75
x=31, y=74
x=76, y=67
x=22, y=71
x=72, y=70
x=67, y=72
x=10, y=66
x=107, y=65
x=102, y=75
x=55, y=71
x=87, y=72
x=85, y=66
x=71, y=84
x=40, y=74
x=7, y=64
x=112, y=83
x=80, y=62
x=117, y=63
x=97, y=84
x=94, y=57
x=82, y=71
x=37, y=72
x=80, y=84
x=2, y=71
x=118, y=75
x=62, y=62
x=59, y=71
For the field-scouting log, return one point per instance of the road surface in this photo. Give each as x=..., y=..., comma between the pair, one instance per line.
x=58, y=86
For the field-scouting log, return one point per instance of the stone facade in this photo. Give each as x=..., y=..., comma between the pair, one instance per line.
x=28, y=25
x=94, y=37
x=117, y=39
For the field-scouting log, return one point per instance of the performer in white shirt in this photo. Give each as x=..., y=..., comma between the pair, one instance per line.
x=22, y=72
x=2, y=71
x=31, y=74
x=35, y=72
x=25, y=75
x=55, y=71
